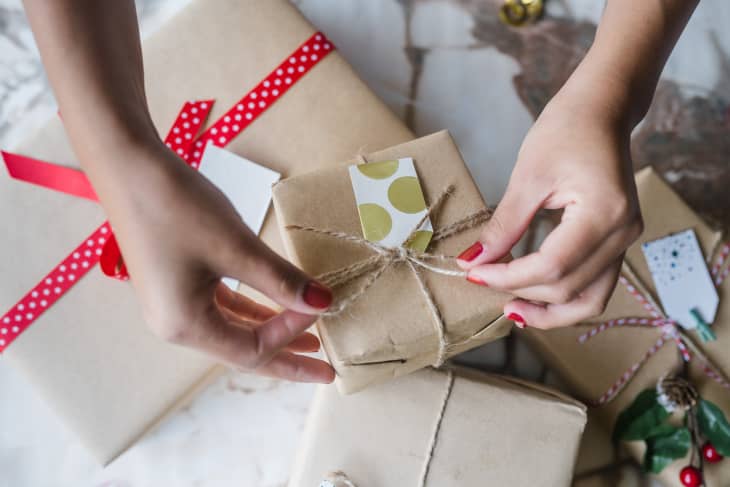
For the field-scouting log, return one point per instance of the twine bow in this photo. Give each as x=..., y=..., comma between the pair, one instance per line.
x=385, y=258
x=671, y=331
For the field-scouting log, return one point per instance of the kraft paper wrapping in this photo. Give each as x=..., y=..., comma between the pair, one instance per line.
x=389, y=331
x=592, y=367
x=90, y=356
x=494, y=431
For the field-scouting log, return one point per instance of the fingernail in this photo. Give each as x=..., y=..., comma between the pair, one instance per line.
x=519, y=320
x=316, y=295
x=475, y=279
x=472, y=252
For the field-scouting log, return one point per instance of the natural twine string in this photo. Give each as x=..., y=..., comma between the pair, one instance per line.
x=340, y=479
x=437, y=428
x=386, y=257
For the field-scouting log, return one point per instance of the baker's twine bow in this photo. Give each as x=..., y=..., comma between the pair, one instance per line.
x=671, y=331
x=340, y=479
x=386, y=257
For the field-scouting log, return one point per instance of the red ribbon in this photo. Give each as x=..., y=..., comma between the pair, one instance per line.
x=184, y=140
x=51, y=176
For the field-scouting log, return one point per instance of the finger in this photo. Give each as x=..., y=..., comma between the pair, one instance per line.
x=242, y=306
x=572, y=285
x=255, y=264
x=298, y=368
x=247, y=347
x=572, y=241
x=304, y=343
x=279, y=332
x=589, y=304
x=214, y=335
x=504, y=229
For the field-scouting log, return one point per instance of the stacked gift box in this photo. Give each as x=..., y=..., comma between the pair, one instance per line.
x=628, y=350
x=291, y=103
x=91, y=356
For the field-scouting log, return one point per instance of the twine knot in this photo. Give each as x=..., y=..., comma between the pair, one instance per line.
x=372, y=268
x=669, y=328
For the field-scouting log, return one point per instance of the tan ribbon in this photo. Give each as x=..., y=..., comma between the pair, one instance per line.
x=374, y=267
x=340, y=479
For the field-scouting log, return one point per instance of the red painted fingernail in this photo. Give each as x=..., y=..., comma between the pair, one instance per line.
x=519, y=320
x=316, y=295
x=472, y=252
x=475, y=279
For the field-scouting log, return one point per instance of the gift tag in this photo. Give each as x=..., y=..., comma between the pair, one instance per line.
x=391, y=203
x=682, y=279
x=246, y=184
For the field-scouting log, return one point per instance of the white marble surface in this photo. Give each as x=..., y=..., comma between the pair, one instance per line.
x=439, y=64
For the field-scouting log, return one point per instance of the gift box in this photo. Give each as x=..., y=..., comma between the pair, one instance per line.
x=434, y=427
x=411, y=315
x=629, y=348
x=90, y=356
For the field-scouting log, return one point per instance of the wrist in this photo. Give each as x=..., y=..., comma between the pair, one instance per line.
x=129, y=170
x=603, y=96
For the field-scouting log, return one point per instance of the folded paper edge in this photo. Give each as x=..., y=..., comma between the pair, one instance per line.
x=185, y=398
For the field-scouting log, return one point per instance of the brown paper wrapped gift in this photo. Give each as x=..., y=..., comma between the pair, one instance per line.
x=390, y=330
x=90, y=356
x=592, y=367
x=485, y=430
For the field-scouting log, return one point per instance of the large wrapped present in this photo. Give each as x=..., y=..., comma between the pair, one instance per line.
x=404, y=310
x=641, y=339
x=89, y=354
x=441, y=428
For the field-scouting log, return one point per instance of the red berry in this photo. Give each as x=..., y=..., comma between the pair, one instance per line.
x=690, y=476
x=710, y=454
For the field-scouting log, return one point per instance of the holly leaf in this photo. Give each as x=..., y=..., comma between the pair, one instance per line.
x=642, y=419
x=661, y=430
x=714, y=426
x=661, y=450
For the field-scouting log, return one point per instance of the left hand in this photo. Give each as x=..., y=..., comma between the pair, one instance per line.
x=575, y=158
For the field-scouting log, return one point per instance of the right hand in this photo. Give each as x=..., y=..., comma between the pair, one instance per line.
x=180, y=235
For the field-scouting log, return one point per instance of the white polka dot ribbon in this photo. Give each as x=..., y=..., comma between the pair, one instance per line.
x=184, y=140
x=670, y=330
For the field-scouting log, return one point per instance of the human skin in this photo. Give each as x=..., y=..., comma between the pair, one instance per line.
x=168, y=218
x=576, y=158
x=178, y=233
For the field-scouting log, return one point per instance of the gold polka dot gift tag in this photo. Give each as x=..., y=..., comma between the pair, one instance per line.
x=390, y=203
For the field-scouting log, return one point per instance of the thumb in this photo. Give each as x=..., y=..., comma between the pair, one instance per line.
x=504, y=229
x=256, y=265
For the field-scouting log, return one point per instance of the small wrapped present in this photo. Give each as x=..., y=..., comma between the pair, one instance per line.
x=397, y=309
x=82, y=342
x=643, y=339
x=441, y=428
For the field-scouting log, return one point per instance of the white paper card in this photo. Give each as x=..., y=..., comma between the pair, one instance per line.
x=681, y=278
x=390, y=202
x=246, y=184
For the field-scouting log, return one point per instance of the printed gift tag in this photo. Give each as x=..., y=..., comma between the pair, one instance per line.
x=682, y=279
x=390, y=203
x=246, y=184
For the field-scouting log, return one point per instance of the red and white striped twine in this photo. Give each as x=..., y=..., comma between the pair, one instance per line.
x=669, y=327
x=719, y=270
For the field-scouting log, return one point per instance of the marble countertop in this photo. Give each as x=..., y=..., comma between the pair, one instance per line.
x=438, y=64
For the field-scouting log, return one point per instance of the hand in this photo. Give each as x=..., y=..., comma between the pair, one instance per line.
x=575, y=158
x=179, y=235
